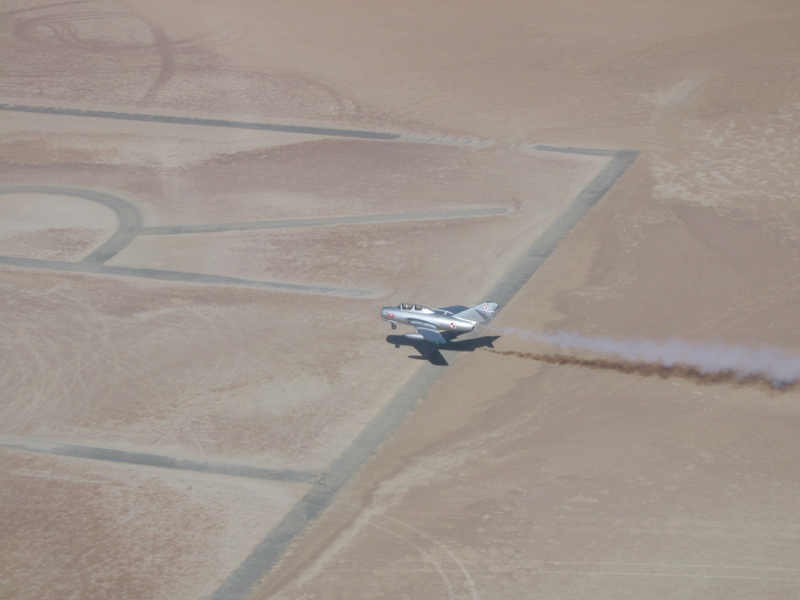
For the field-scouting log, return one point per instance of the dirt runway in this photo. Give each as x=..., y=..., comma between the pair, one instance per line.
x=204, y=206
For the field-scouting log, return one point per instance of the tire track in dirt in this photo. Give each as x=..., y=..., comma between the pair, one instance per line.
x=164, y=47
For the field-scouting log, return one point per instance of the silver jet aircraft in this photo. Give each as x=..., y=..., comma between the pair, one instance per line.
x=438, y=325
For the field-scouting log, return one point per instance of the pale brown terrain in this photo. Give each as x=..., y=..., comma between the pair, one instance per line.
x=216, y=411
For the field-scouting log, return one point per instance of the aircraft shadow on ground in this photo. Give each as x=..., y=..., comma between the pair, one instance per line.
x=431, y=352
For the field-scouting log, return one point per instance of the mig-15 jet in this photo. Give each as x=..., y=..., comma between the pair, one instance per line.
x=438, y=325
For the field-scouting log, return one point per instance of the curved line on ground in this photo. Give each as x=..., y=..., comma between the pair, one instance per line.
x=130, y=224
x=44, y=7
x=163, y=45
x=128, y=216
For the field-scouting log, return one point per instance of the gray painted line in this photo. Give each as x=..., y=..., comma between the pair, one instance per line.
x=572, y=150
x=156, y=460
x=278, y=286
x=53, y=265
x=446, y=140
x=174, y=120
x=507, y=287
x=181, y=276
x=130, y=221
x=326, y=222
x=130, y=225
x=271, y=550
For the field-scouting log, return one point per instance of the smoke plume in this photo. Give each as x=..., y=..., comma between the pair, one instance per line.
x=702, y=362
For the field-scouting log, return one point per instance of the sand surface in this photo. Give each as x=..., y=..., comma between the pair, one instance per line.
x=197, y=397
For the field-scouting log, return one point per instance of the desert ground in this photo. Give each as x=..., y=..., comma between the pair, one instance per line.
x=204, y=205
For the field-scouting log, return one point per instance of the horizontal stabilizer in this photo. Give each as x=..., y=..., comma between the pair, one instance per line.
x=487, y=315
x=431, y=335
x=479, y=314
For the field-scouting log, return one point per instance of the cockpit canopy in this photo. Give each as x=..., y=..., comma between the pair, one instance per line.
x=418, y=307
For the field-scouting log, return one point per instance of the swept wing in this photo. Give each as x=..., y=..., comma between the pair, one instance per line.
x=428, y=331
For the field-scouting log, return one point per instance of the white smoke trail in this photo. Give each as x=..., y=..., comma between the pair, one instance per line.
x=778, y=365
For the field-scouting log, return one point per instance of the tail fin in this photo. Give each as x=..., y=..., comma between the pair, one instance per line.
x=479, y=314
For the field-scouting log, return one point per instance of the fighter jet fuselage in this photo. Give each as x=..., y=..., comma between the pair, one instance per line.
x=438, y=325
